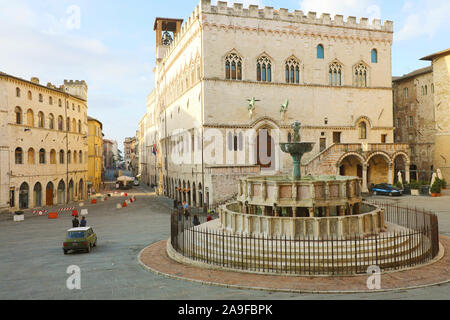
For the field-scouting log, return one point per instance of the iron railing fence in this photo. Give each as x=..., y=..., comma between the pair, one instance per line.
x=416, y=242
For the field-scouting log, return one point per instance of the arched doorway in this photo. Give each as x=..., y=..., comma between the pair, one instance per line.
x=351, y=166
x=24, y=196
x=194, y=195
x=265, y=149
x=49, y=194
x=61, y=194
x=71, y=191
x=378, y=170
x=81, y=190
x=200, y=195
x=188, y=194
x=401, y=162
x=37, y=193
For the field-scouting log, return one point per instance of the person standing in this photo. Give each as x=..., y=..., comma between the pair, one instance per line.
x=75, y=222
x=83, y=222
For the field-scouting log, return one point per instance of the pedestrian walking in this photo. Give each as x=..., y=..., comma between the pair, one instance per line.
x=196, y=221
x=75, y=222
x=186, y=209
x=83, y=222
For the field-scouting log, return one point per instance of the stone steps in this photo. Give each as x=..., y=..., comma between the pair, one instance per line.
x=276, y=257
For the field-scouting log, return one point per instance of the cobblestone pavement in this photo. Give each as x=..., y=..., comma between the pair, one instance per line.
x=33, y=266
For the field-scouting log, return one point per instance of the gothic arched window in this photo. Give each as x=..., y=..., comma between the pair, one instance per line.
x=374, y=56
x=320, y=52
x=361, y=73
x=292, y=71
x=335, y=74
x=19, y=156
x=233, y=67
x=264, y=69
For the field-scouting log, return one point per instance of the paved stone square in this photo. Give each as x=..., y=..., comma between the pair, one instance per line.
x=33, y=266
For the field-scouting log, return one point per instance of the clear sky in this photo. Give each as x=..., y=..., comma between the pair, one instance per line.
x=112, y=44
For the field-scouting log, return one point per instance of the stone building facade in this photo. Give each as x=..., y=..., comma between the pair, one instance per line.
x=110, y=154
x=43, y=143
x=333, y=75
x=441, y=87
x=414, y=120
x=95, y=164
x=129, y=146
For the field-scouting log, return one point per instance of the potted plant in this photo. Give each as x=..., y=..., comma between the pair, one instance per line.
x=443, y=183
x=414, y=186
x=436, y=188
x=399, y=185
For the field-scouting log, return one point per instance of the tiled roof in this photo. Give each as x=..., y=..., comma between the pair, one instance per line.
x=414, y=73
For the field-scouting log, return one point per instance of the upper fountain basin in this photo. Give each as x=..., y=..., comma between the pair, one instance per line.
x=296, y=148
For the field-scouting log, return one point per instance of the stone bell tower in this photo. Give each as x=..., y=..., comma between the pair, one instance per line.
x=166, y=29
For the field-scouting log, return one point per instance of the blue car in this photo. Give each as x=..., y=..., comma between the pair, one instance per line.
x=386, y=189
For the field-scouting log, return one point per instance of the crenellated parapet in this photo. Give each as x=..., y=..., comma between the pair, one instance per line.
x=269, y=13
x=76, y=88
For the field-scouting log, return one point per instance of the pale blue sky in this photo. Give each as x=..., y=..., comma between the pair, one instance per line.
x=113, y=48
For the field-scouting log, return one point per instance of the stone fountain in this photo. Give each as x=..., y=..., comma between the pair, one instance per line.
x=297, y=149
x=320, y=206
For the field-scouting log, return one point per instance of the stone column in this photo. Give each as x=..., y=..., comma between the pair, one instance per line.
x=294, y=192
x=390, y=173
x=294, y=212
x=277, y=193
x=327, y=211
x=316, y=228
x=342, y=211
x=364, y=178
x=263, y=210
x=311, y=212
x=351, y=210
x=407, y=173
x=327, y=191
x=264, y=191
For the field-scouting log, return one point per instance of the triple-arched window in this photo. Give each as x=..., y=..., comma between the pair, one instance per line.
x=361, y=73
x=233, y=67
x=292, y=70
x=264, y=69
x=335, y=74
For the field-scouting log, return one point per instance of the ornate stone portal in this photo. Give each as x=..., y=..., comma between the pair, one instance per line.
x=314, y=206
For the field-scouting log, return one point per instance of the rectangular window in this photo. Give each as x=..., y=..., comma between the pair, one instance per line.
x=383, y=138
x=405, y=92
x=411, y=121
x=399, y=122
x=336, y=137
x=323, y=144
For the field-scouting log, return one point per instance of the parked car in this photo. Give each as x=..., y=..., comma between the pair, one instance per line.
x=386, y=189
x=80, y=239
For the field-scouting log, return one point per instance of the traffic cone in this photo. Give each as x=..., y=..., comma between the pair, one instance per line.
x=124, y=204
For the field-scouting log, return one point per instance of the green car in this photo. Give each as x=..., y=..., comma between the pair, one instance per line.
x=80, y=239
